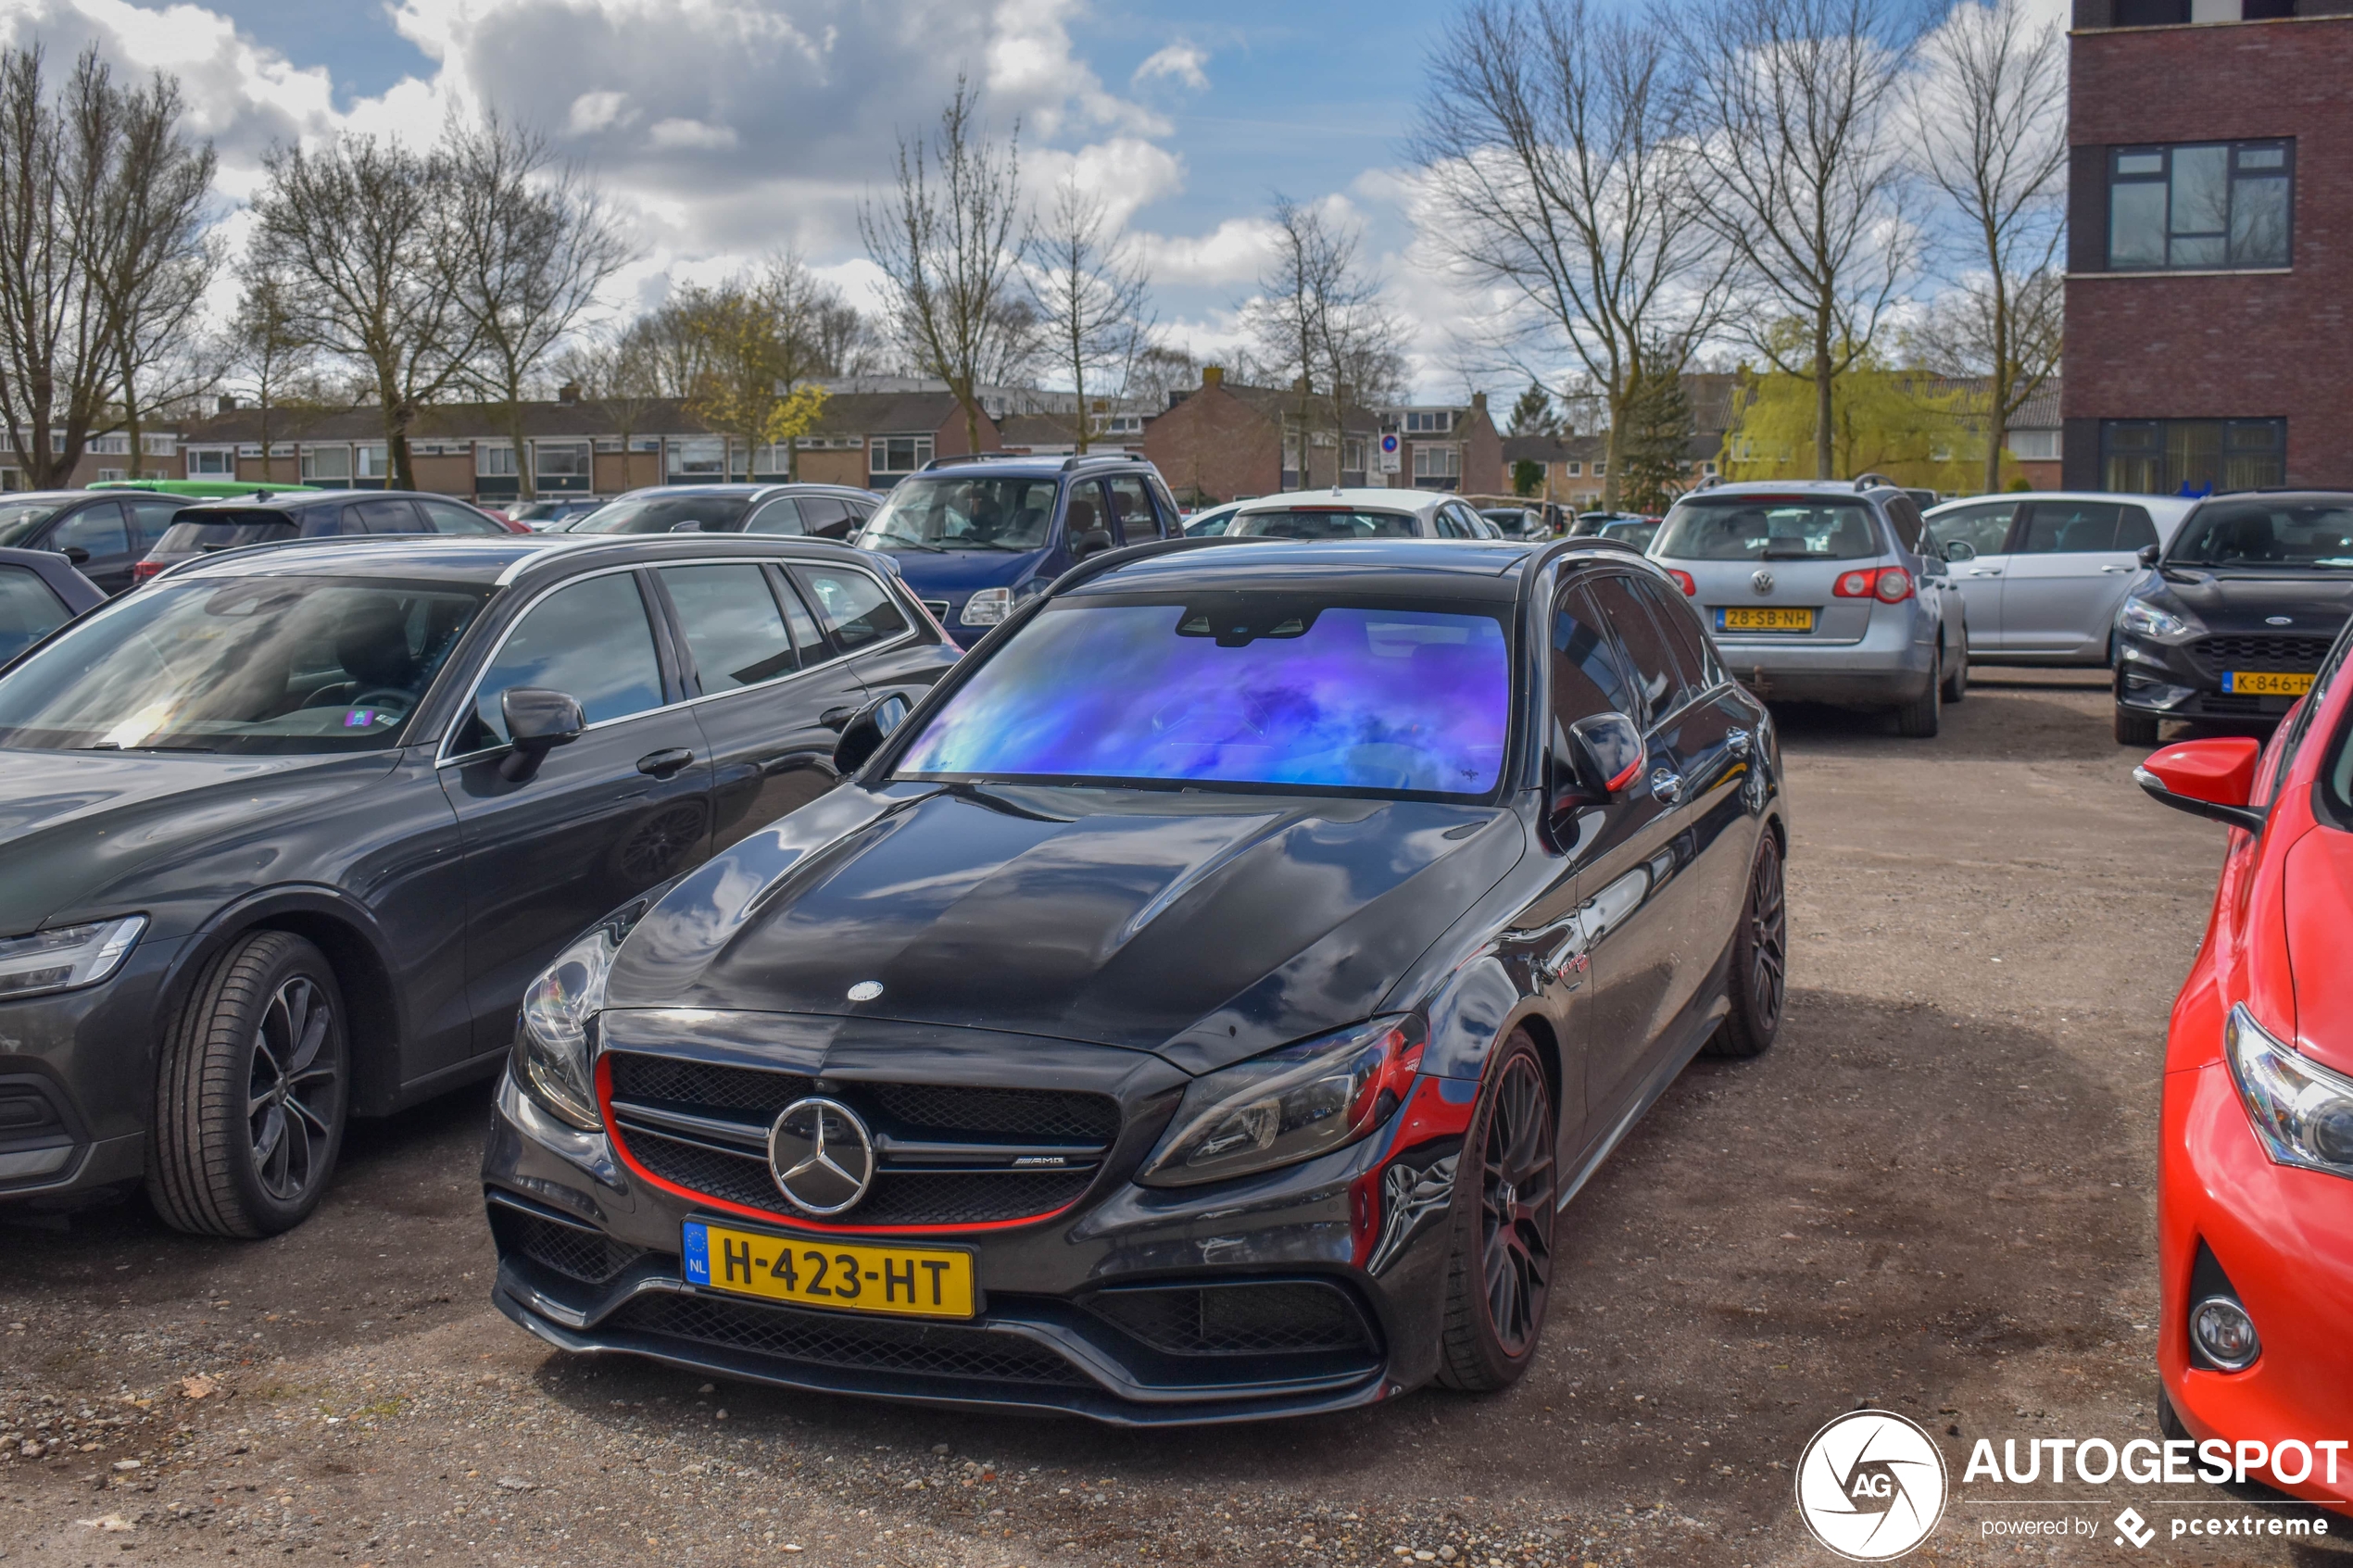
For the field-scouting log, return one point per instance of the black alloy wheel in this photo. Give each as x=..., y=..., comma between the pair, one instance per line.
x=1507, y=1195
x=251, y=1091
x=1760, y=959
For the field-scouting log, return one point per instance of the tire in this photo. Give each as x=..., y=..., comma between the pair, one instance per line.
x=1759, y=983
x=1499, y=1280
x=2135, y=729
x=252, y=1092
x=1921, y=718
x=1957, y=678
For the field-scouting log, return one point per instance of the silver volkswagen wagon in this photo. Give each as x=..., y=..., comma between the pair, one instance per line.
x=1823, y=592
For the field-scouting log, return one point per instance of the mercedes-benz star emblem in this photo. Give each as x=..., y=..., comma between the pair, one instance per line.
x=1762, y=581
x=822, y=1155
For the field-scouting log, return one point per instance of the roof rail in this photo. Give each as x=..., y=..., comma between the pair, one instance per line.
x=1868, y=481
x=1078, y=459
x=996, y=457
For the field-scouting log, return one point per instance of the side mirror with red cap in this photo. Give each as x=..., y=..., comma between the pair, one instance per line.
x=1593, y=761
x=2207, y=778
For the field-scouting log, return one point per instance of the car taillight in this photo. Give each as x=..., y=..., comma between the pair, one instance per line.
x=1683, y=581
x=1889, y=584
x=141, y=570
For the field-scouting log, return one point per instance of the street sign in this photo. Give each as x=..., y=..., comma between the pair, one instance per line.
x=1391, y=451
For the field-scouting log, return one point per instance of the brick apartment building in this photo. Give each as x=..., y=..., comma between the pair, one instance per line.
x=1223, y=441
x=2210, y=245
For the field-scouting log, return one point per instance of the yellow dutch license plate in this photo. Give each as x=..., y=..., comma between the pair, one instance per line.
x=2265, y=683
x=1764, y=620
x=917, y=1282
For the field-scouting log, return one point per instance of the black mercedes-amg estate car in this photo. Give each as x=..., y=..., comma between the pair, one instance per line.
x=2231, y=621
x=1199, y=1008
x=284, y=833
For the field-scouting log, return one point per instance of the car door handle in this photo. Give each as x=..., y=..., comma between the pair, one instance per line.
x=1737, y=742
x=1667, y=786
x=1986, y=572
x=2119, y=568
x=661, y=764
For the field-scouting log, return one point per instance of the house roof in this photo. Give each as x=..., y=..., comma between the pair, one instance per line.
x=1278, y=403
x=845, y=413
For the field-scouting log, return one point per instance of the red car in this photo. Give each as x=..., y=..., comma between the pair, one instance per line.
x=2255, y=1197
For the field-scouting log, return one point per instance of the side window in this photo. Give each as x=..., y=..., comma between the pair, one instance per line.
x=1905, y=513
x=1586, y=676
x=1084, y=510
x=2068, y=528
x=591, y=641
x=447, y=517
x=811, y=642
x=392, y=515
x=827, y=517
x=29, y=610
x=2133, y=529
x=1656, y=672
x=1983, y=528
x=1444, y=522
x=1132, y=510
x=97, y=529
x=148, y=519
x=1172, y=518
x=779, y=516
x=734, y=629
x=319, y=522
x=850, y=605
x=1692, y=650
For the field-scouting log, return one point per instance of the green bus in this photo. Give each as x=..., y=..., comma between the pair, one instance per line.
x=200, y=489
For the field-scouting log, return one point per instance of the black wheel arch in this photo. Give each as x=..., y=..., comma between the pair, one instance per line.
x=346, y=932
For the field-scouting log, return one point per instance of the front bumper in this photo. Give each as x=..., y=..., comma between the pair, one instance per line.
x=2184, y=680
x=77, y=1083
x=1355, y=1241
x=2285, y=1237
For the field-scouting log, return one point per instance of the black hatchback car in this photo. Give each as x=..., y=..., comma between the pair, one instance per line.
x=104, y=534
x=2231, y=621
x=820, y=511
x=287, y=832
x=1199, y=1009
x=207, y=526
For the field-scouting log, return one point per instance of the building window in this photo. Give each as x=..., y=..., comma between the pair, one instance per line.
x=775, y=457
x=1435, y=422
x=326, y=462
x=1600, y=470
x=375, y=460
x=1441, y=466
x=106, y=474
x=2211, y=207
x=494, y=462
x=1574, y=470
x=2034, y=445
x=699, y=457
x=1708, y=468
x=893, y=457
x=560, y=459
x=2192, y=457
x=212, y=460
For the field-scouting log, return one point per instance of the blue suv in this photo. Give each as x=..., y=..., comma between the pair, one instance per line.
x=975, y=536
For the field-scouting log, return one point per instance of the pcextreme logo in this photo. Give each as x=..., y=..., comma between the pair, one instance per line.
x=1870, y=1486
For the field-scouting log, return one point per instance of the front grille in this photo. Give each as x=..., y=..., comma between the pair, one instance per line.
x=590, y=1257
x=2262, y=652
x=2225, y=705
x=935, y=1113
x=1237, y=1320
x=822, y=1339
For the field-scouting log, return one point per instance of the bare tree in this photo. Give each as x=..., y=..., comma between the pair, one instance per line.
x=1318, y=323
x=946, y=241
x=1160, y=368
x=843, y=338
x=363, y=229
x=1802, y=175
x=270, y=357
x=1091, y=293
x=762, y=346
x=532, y=241
x=618, y=379
x=1989, y=110
x=103, y=252
x=1558, y=163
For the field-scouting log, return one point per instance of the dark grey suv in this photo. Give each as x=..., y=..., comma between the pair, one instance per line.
x=287, y=832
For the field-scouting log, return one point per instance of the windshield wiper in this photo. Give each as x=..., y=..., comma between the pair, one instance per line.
x=118, y=746
x=1792, y=555
x=894, y=542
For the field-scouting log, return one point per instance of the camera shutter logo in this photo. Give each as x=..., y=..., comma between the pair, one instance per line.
x=822, y=1155
x=1871, y=1486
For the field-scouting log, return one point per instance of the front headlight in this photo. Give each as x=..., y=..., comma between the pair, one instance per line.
x=2147, y=620
x=68, y=956
x=2302, y=1112
x=988, y=607
x=552, y=1061
x=1288, y=1105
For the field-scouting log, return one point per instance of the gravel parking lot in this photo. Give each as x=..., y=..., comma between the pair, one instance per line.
x=1934, y=1195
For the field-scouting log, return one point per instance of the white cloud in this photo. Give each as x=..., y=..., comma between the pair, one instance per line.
x=592, y=112
x=1180, y=62
x=670, y=135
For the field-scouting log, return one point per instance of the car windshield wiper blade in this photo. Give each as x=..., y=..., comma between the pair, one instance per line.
x=1794, y=555
x=118, y=746
x=900, y=542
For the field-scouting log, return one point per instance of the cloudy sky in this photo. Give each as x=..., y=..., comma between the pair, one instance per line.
x=732, y=127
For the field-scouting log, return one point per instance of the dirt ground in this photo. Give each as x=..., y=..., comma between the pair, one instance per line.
x=1934, y=1196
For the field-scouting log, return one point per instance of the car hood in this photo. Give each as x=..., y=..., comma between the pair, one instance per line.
x=958, y=572
x=86, y=833
x=2317, y=878
x=2316, y=603
x=1206, y=926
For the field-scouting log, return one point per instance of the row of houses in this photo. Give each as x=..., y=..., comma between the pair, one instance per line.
x=1215, y=441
